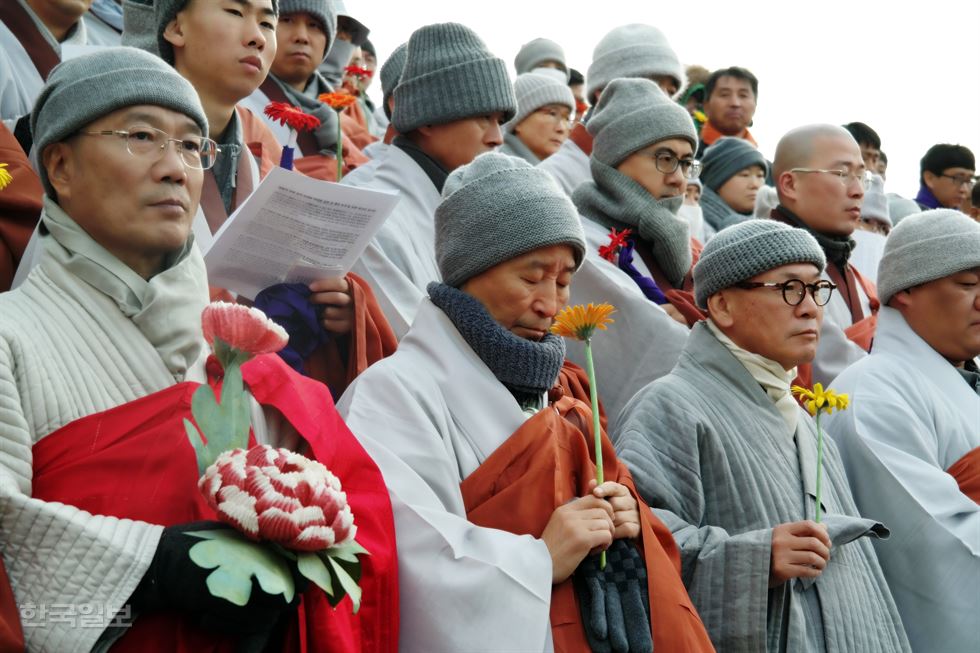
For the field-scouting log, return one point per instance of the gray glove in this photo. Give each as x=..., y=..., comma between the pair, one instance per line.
x=614, y=602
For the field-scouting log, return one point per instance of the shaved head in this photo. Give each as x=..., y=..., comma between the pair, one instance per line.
x=796, y=148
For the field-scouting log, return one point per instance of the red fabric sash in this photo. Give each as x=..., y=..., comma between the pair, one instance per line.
x=135, y=462
x=966, y=471
x=548, y=462
x=581, y=137
x=14, y=16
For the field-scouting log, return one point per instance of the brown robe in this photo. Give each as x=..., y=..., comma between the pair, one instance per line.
x=546, y=463
x=20, y=206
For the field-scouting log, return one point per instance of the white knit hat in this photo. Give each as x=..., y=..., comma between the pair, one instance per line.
x=632, y=51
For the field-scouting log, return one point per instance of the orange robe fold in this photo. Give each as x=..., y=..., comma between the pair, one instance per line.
x=20, y=206
x=543, y=465
x=966, y=471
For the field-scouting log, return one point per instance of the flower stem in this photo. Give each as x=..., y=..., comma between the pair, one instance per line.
x=594, y=397
x=340, y=150
x=819, y=462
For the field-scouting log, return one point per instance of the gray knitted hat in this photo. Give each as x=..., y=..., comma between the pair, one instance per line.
x=900, y=207
x=499, y=207
x=391, y=73
x=449, y=75
x=875, y=204
x=632, y=114
x=166, y=11
x=322, y=10
x=749, y=248
x=534, y=53
x=631, y=51
x=534, y=91
x=83, y=89
x=140, y=25
x=726, y=157
x=927, y=246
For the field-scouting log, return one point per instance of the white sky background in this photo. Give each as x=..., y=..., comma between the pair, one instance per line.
x=909, y=69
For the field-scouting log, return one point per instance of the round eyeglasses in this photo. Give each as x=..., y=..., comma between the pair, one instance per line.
x=795, y=290
x=845, y=176
x=667, y=163
x=196, y=152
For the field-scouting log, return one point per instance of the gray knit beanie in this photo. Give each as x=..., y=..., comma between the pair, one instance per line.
x=496, y=208
x=534, y=91
x=631, y=51
x=140, y=25
x=632, y=114
x=927, y=246
x=900, y=207
x=749, y=248
x=449, y=75
x=534, y=53
x=726, y=157
x=166, y=11
x=391, y=73
x=82, y=90
x=322, y=10
x=875, y=204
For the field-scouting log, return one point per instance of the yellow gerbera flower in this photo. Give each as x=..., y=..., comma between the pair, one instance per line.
x=580, y=322
x=5, y=177
x=819, y=399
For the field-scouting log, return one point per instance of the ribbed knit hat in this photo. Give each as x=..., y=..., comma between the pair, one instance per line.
x=632, y=114
x=631, y=51
x=499, y=207
x=534, y=53
x=322, y=10
x=449, y=75
x=391, y=73
x=82, y=90
x=534, y=91
x=166, y=11
x=140, y=25
x=900, y=207
x=740, y=252
x=726, y=157
x=927, y=246
x=875, y=204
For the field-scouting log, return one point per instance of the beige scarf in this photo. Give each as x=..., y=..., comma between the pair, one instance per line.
x=769, y=374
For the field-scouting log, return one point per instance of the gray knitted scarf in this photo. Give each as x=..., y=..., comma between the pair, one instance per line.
x=525, y=367
x=614, y=200
x=717, y=213
x=326, y=133
x=514, y=146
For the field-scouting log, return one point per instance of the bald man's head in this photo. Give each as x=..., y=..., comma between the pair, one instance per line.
x=824, y=200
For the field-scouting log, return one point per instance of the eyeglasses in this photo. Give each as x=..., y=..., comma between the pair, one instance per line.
x=795, y=290
x=961, y=180
x=196, y=152
x=667, y=163
x=556, y=116
x=845, y=176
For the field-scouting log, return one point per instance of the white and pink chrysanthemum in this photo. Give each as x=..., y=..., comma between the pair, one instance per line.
x=242, y=328
x=279, y=496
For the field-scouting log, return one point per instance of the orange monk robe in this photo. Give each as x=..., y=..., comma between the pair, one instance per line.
x=20, y=206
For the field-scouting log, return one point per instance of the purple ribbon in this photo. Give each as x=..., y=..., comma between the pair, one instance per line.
x=647, y=285
x=288, y=305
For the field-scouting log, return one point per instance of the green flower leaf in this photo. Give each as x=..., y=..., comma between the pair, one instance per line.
x=225, y=426
x=347, y=582
x=311, y=566
x=236, y=560
x=347, y=552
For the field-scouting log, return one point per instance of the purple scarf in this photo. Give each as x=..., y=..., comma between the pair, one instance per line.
x=647, y=285
x=288, y=305
x=927, y=199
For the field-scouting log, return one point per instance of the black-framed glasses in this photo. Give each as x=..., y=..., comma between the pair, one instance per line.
x=794, y=290
x=845, y=176
x=961, y=180
x=668, y=163
x=142, y=142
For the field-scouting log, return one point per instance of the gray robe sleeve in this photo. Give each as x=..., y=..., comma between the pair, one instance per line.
x=727, y=576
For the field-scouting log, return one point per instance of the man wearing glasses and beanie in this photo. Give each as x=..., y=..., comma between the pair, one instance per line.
x=727, y=459
x=821, y=179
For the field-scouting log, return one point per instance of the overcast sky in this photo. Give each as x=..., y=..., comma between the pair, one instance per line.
x=910, y=70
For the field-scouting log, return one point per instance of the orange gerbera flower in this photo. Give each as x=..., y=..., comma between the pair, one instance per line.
x=580, y=322
x=337, y=101
x=290, y=116
x=5, y=177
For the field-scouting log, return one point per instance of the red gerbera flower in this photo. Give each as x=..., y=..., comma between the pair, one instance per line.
x=292, y=117
x=617, y=239
x=357, y=71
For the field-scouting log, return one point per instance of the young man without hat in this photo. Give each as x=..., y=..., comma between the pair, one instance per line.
x=473, y=413
x=100, y=350
x=724, y=454
x=910, y=440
